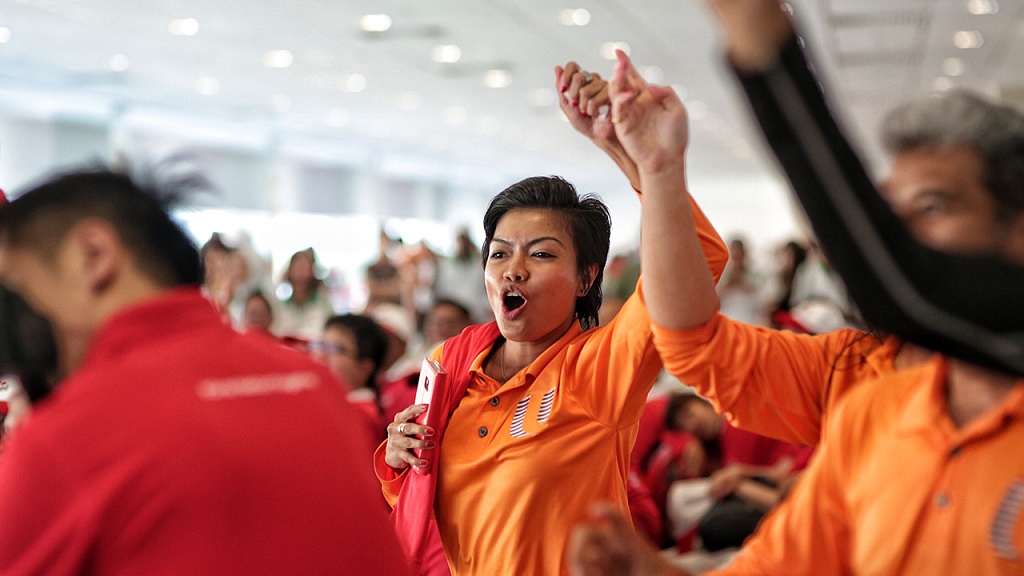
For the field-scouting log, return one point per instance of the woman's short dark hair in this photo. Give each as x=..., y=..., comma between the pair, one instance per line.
x=371, y=340
x=588, y=220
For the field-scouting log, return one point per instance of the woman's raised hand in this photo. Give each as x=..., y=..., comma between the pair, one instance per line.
x=583, y=97
x=649, y=120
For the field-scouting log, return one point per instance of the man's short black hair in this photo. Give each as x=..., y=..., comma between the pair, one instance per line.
x=41, y=217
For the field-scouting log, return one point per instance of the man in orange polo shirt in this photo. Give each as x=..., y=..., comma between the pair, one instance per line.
x=919, y=472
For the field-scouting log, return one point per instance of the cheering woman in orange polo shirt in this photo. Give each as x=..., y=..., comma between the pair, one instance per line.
x=544, y=403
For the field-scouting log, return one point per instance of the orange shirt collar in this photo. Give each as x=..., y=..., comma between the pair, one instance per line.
x=925, y=410
x=538, y=363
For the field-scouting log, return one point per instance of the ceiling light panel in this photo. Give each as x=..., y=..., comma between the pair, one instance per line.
x=278, y=59
x=446, y=53
x=183, y=27
x=968, y=39
x=575, y=17
x=375, y=23
x=982, y=7
x=497, y=78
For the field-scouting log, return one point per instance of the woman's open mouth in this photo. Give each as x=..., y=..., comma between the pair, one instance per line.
x=513, y=303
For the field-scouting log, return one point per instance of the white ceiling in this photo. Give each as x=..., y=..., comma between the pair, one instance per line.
x=441, y=118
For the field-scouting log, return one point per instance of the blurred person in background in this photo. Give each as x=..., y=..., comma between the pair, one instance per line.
x=305, y=304
x=740, y=290
x=460, y=277
x=446, y=318
x=353, y=347
x=258, y=314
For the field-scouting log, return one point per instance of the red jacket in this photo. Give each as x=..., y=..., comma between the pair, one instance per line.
x=180, y=446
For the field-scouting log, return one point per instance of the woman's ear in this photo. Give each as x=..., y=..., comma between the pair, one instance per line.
x=587, y=280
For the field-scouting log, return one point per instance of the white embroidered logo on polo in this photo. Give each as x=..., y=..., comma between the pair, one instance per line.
x=516, y=430
x=256, y=385
x=545, y=406
x=1001, y=534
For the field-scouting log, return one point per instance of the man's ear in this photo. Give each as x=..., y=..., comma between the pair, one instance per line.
x=98, y=251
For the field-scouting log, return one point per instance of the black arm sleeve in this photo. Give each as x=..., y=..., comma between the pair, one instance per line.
x=968, y=307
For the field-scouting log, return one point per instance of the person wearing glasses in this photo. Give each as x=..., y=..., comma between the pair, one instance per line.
x=353, y=348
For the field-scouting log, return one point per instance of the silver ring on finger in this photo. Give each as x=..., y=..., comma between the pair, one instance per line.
x=401, y=428
x=587, y=77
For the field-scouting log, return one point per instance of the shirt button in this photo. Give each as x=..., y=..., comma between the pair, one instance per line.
x=482, y=431
x=942, y=500
x=494, y=401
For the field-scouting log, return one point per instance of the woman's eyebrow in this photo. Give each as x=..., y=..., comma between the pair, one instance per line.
x=531, y=242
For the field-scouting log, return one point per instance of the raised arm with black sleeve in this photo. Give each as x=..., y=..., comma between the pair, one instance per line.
x=970, y=307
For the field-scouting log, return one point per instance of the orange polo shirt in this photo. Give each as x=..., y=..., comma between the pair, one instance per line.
x=897, y=488
x=775, y=383
x=522, y=462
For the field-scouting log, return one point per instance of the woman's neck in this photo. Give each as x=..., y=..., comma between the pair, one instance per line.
x=512, y=357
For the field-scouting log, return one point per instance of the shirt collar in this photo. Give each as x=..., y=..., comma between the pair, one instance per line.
x=540, y=362
x=164, y=316
x=926, y=408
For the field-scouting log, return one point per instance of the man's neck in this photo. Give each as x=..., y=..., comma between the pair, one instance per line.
x=973, y=391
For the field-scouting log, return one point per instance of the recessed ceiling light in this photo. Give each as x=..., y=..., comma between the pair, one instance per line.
x=966, y=39
x=5, y=34
x=278, y=59
x=208, y=86
x=497, y=78
x=608, y=49
x=575, y=16
x=119, y=62
x=953, y=67
x=353, y=83
x=982, y=7
x=446, y=53
x=183, y=27
x=375, y=23
x=942, y=84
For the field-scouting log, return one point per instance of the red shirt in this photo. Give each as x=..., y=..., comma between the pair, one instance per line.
x=742, y=447
x=183, y=447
